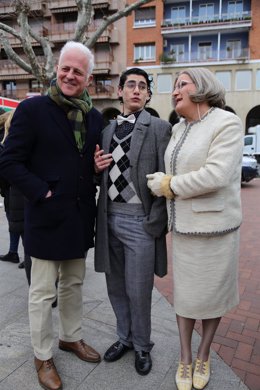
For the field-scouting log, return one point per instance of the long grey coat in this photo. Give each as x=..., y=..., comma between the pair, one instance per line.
x=149, y=141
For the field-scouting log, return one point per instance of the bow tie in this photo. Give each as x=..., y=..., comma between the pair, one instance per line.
x=120, y=119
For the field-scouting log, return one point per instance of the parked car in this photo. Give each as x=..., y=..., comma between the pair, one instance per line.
x=249, y=168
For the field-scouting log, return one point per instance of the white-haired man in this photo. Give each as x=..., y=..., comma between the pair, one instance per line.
x=49, y=156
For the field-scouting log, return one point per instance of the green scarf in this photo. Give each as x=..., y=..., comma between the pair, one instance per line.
x=75, y=108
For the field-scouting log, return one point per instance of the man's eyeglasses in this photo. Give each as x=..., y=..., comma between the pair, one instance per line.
x=133, y=84
x=181, y=84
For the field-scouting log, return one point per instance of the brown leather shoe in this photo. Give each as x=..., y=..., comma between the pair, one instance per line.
x=47, y=374
x=81, y=349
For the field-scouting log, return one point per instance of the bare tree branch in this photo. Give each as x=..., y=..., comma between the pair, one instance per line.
x=44, y=72
x=23, y=9
x=12, y=55
x=83, y=19
x=90, y=42
x=48, y=54
x=10, y=30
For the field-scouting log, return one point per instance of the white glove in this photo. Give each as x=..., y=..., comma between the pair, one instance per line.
x=154, y=182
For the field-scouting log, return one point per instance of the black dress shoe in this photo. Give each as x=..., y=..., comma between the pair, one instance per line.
x=21, y=265
x=12, y=257
x=115, y=352
x=143, y=362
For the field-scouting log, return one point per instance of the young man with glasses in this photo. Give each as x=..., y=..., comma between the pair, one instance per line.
x=130, y=236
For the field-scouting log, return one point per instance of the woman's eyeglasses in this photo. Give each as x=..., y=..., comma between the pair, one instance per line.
x=181, y=84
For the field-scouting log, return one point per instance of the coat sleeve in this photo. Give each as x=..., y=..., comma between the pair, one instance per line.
x=16, y=154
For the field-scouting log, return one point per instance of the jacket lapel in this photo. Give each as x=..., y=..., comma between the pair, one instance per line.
x=138, y=138
x=62, y=122
x=139, y=133
x=107, y=136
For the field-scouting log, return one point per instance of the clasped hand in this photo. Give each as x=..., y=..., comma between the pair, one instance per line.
x=159, y=184
x=101, y=160
x=154, y=182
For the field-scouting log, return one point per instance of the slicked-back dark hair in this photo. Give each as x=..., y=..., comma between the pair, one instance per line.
x=139, y=72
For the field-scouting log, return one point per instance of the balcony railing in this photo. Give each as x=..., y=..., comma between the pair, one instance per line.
x=100, y=91
x=71, y=3
x=213, y=19
x=36, y=5
x=65, y=31
x=61, y=4
x=19, y=94
x=241, y=55
x=9, y=67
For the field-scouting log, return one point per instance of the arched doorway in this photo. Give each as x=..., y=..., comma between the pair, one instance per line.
x=174, y=118
x=227, y=108
x=253, y=117
x=110, y=113
x=152, y=112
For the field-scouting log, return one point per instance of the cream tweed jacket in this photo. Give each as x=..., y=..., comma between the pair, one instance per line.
x=205, y=158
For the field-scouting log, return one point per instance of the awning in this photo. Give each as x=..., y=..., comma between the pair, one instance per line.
x=17, y=77
x=62, y=10
x=101, y=71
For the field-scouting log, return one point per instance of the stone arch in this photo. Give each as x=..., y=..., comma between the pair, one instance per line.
x=152, y=112
x=230, y=109
x=174, y=118
x=110, y=113
x=253, y=117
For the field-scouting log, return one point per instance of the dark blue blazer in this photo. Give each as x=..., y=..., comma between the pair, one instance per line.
x=40, y=153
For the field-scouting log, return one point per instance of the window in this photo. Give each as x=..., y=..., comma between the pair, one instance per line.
x=66, y=22
x=258, y=79
x=178, y=14
x=235, y=8
x=248, y=141
x=145, y=16
x=206, y=12
x=225, y=79
x=233, y=49
x=243, y=80
x=103, y=85
x=144, y=52
x=35, y=86
x=164, y=83
x=177, y=52
x=10, y=88
x=204, y=51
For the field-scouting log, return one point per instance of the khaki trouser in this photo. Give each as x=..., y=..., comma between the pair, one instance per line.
x=42, y=294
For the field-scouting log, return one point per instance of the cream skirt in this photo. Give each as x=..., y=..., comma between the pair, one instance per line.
x=205, y=275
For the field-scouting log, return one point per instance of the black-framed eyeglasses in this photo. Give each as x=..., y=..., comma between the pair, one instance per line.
x=181, y=84
x=132, y=84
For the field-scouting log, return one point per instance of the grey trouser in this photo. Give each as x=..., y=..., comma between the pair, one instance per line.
x=130, y=283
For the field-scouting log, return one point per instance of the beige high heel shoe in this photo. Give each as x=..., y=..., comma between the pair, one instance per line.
x=201, y=373
x=183, y=376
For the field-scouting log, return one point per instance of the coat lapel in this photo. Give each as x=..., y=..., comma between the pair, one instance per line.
x=107, y=136
x=62, y=122
x=138, y=136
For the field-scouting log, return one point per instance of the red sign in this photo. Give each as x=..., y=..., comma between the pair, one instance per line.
x=8, y=104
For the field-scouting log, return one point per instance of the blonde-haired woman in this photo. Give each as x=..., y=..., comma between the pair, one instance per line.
x=202, y=188
x=13, y=202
